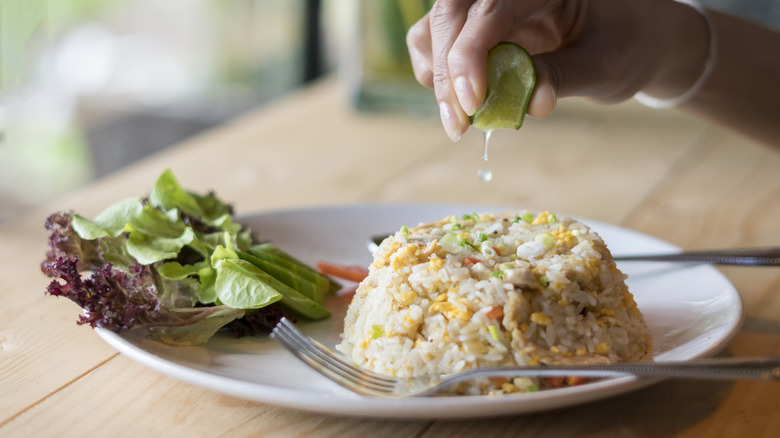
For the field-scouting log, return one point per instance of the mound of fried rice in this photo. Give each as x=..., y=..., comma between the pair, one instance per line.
x=492, y=289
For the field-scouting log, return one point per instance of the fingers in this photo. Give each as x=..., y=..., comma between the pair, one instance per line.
x=449, y=48
x=488, y=23
x=429, y=40
x=543, y=100
x=446, y=20
x=418, y=40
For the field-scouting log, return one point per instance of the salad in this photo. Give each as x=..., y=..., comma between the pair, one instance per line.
x=176, y=267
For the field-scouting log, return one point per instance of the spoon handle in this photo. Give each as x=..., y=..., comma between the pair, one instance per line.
x=744, y=257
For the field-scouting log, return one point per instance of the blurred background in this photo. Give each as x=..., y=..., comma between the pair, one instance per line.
x=90, y=86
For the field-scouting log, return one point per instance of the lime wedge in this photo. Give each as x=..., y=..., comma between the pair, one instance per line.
x=511, y=80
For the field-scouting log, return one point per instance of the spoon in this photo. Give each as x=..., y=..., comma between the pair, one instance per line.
x=769, y=256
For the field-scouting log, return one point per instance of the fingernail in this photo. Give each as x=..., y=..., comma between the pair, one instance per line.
x=542, y=102
x=450, y=121
x=465, y=93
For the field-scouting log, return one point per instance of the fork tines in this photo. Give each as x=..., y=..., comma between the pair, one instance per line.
x=327, y=362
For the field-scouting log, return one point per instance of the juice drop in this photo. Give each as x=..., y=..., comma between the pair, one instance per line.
x=485, y=174
x=486, y=140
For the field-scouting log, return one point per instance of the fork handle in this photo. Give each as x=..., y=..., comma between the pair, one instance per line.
x=767, y=368
x=769, y=256
x=712, y=260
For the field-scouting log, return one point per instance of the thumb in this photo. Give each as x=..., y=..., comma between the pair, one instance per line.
x=583, y=70
x=557, y=75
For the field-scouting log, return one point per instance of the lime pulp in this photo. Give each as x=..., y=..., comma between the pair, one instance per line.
x=510, y=83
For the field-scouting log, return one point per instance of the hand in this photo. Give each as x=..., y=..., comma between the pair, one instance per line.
x=602, y=49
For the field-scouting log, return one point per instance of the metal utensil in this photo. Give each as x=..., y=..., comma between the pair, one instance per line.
x=346, y=374
x=769, y=256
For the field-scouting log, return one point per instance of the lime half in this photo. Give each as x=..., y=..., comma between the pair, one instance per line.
x=511, y=81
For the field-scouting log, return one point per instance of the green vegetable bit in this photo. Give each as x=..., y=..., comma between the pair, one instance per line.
x=546, y=239
x=449, y=239
x=465, y=242
x=493, y=332
x=377, y=331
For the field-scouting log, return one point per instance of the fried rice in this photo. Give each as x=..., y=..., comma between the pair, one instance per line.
x=492, y=289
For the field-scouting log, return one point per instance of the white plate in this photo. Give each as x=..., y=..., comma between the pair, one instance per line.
x=691, y=311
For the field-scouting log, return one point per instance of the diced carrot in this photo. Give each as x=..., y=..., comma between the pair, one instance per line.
x=554, y=382
x=498, y=380
x=469, y=262
x=576, y=380
x=347, y=272
x=495, y=312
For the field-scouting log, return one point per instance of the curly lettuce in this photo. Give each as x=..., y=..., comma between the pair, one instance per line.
x=176, y=267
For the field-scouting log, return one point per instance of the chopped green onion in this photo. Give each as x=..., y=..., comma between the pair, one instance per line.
x=457, y=226
x=528, y=217
x=544, y=281
x=472, y=217
x=576, y=233
x=481, y=237
x=497, y=273
x=532, y=388
x=493, y=331
x=377, y=331
x=551, y=219
x=487, y=249
x=516, y=219
x=405, y=231
x=506, y=265
x=547, y=239
x=449, y=239
x=465, y=242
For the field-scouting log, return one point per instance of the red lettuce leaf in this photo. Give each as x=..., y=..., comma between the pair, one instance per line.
x=122, y=301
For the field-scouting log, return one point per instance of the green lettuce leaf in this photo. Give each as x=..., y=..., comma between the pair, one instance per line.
x=241, y=285
x=294, y=277
x=148, y=249
x=167, y=194
x=111, y=222
x=292, y=263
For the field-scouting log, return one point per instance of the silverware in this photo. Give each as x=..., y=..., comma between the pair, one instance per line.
x=364, y=382
x=769, y=256
x=743, y=256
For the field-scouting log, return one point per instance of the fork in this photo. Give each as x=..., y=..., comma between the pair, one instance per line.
x=769, y=256
x=365, y=382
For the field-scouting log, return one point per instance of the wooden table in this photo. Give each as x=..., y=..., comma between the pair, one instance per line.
x=658, y=172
